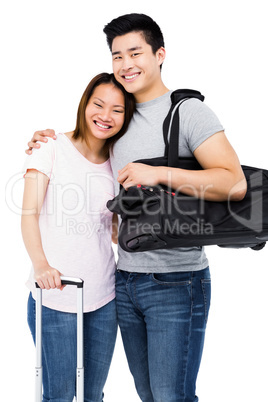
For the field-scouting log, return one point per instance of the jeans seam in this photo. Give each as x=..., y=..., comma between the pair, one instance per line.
x=131, y=292
x=185, y=369
x=203, y=281
x=135, y=295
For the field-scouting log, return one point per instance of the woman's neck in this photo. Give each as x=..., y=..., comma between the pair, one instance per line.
x=92, y=151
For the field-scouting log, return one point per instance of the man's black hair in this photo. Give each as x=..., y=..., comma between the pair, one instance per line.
x=135, y=23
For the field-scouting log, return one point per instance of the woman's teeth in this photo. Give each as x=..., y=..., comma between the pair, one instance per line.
x=101, y=125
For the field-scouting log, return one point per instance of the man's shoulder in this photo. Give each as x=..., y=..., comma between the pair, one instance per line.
x=195, y=109
x=193, y=105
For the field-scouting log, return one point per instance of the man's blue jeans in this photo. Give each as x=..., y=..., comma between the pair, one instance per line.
x=162, y=318
x=59, y=351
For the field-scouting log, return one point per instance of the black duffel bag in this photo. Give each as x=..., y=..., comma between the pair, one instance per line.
x=158, y=217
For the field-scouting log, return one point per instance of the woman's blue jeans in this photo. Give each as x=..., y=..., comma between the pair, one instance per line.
x=162, y=318
x=59, y=351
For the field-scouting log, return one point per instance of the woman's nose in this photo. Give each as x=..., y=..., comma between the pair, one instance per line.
x=105, y=115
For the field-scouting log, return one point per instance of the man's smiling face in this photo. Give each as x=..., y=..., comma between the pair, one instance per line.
x=135, y=66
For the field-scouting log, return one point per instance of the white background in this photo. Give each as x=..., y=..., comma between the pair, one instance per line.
x=49, y=52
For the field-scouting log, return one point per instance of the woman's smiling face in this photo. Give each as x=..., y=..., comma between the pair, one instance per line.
x=105, y=112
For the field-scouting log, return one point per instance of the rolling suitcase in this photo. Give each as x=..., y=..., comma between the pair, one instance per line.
x=79, y=283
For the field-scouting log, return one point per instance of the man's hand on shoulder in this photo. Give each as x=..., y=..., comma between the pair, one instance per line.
x=39, y=136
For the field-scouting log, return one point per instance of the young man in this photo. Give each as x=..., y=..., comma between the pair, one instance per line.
x=163, y=296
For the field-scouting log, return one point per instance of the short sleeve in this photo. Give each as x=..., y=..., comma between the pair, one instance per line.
x=198, y=123
x=42, y=159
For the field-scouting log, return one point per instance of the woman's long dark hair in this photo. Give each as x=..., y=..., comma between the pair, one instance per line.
x=81, y=126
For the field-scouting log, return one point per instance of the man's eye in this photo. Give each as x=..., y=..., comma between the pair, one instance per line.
x=135, y=54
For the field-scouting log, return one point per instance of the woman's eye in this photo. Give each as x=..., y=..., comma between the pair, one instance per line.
x=118, y=111
x=97, y=104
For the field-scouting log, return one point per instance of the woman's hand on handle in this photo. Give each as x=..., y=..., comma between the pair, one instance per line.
x=48, y=277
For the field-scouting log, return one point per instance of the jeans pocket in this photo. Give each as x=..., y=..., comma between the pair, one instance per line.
x=206, y=288
x=172, y=278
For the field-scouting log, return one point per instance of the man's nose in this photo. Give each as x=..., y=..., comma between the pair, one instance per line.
x=127, y=64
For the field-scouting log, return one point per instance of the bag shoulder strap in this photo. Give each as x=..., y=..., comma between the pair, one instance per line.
x=172, y=122
x=180, y=94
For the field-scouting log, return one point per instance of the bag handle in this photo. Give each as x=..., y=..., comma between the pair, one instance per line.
x=171, y=125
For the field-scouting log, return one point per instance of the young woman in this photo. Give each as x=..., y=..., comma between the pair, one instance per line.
x=67, y=230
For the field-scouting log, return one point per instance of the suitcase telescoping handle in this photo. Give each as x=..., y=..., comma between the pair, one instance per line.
x=79, y=283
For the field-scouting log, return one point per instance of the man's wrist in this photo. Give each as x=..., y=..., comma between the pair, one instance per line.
x=165, y=175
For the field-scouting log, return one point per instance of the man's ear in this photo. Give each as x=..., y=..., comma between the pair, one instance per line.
x=161, y=55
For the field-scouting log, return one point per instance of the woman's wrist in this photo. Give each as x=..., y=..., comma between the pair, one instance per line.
x=40, y=265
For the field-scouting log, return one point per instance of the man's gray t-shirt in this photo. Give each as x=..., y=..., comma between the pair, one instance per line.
x=144, y=139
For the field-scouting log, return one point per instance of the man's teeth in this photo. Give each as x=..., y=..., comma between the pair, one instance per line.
x=101, y=125
x=130, y=77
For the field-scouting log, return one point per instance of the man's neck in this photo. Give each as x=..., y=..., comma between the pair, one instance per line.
x=151, y=94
